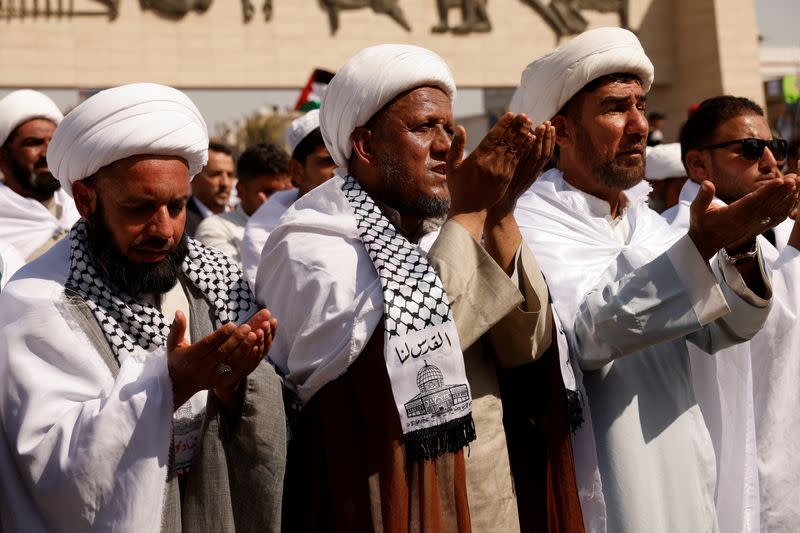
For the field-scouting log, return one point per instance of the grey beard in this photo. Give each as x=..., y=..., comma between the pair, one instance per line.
x=422, y=207
x=615, y=177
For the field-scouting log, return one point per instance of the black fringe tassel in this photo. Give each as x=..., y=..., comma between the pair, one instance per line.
x=430, y=443
x=574, y=409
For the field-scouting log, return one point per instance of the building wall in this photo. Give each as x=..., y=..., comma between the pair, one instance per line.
x=698, y=48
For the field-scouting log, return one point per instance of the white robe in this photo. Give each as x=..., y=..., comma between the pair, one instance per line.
x=27, y=224
x=80, y=450
x=10, y=261
x=259, y=226
x=749, y=395
x=627, y=305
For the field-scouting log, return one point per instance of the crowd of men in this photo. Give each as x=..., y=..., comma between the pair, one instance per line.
x=565, y=330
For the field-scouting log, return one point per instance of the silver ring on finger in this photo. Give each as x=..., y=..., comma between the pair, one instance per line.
x=765, y=221
x=224, y=369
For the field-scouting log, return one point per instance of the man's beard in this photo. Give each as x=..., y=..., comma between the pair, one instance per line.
x=397, y=185
x=610, y=174
x=133, y=278
x=41, y=185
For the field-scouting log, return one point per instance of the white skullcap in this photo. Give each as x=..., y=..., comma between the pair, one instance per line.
x=24, y=105
x=368, y=81
x=664, y=161
x=136, y=119
x=300, y=128
x=549, y=82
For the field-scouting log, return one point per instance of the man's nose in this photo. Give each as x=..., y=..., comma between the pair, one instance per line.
x=767, y=164
x=441, y=142
x=161, y=224
x=637, y=123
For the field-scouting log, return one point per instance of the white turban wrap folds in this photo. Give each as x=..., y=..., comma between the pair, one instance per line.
x=664, y=161
x=549, y=82
x=300, y=128
x=136, y=119
x=368, y=81
x=24, y=105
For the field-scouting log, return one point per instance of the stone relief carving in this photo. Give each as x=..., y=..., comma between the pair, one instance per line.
x=249, y=10
x=474, y=17
x=565, y=17
x=383, y=7
x=175, y=8
x=54, y=8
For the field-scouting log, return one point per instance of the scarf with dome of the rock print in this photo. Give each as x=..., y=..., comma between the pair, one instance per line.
x=421, y=346
x=128, y=322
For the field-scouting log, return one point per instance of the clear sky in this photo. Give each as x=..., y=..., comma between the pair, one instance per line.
x=779, y=22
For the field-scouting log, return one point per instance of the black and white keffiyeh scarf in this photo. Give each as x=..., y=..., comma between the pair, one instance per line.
x=129, y=323
x=421, y=346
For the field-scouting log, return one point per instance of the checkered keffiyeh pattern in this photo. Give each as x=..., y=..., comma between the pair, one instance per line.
x=421, y=346
x=413, y=294
x=128, y=322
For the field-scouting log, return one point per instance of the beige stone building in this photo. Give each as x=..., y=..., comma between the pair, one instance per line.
x=232, y=66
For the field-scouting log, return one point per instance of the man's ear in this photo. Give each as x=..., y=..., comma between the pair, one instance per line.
x=85, y=196
x=296, y=171
x=564, y=134
x=361, y=141
x=698, y=166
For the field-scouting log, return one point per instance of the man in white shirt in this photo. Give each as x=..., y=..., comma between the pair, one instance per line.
x=263, y=171
x=748, y=392
x=629, y=292
x=34, y=211
x=310, y=166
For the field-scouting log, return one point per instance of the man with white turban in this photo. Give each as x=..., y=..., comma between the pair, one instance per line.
x=748, y=393
x=34, y=211
x=630, y=292
x=310, y=165
x=394, y=325
x=666, y=175
x=134, y=393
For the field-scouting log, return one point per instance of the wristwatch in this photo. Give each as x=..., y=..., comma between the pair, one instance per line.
x=740, y=257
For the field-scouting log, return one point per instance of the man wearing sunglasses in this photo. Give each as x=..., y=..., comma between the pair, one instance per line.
x=748, y=393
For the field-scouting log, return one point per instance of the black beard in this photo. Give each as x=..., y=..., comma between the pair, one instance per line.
x=41, y=185
x=133, y=278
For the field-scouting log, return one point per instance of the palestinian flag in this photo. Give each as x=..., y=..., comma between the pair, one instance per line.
x=311, y=97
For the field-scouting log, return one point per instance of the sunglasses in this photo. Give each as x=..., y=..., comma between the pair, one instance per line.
x=753, y=149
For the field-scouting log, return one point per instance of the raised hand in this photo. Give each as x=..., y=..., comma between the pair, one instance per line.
x=528, y=169
x=220, y=360
x=734, y=226
x=480, y=181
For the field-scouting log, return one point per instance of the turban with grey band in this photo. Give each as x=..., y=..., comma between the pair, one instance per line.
x=368, y=81
x=549, y=82
x=136, y=119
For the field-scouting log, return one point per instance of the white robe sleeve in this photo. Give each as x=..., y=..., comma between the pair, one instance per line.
x=670, y=297
x=80, y=450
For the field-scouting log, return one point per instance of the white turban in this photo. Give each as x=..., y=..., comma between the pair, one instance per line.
x=664, y=161
x=368, y=81
x=24, y=105
x=549, y=82
x=136, y=119
x=300, y=128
